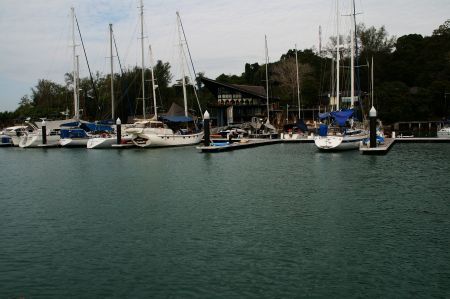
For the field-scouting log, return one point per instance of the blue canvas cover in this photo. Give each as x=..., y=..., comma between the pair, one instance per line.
x=323, y=130
x=302, y=126
x=71, y=124
x=92, y=127
x=73, y=133
x=341, y=116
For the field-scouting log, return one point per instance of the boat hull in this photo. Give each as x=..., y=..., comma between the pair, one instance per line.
x=105, y=142
x=166, y=140
x=338, y=143
x=35, y=140
x=74, y=142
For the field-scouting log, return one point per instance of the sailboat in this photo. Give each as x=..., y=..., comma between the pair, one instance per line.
x=155, y=133
x=108, y=139
x=344, y=135
x=295, y=132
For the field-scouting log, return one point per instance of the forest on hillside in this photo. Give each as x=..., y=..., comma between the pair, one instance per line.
x=411, y=82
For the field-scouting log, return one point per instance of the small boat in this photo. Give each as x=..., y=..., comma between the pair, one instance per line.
x=444, y=132
x=5, y=140
x=16, y=132
x=35, y=138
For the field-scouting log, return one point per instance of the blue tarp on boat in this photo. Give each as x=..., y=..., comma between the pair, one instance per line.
x=323, y=130
x=71, y=124
x=341, y=116
x=91, y=127
x=73, y=133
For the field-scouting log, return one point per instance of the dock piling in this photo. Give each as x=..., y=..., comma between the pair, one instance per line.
x=44, y=132
x=119, y=130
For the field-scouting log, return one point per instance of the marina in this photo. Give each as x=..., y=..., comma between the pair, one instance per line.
x=251, y=149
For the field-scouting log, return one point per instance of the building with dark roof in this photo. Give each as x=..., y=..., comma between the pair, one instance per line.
x=237, y=103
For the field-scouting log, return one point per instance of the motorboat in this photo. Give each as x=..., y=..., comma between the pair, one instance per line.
x=444, y=132
x=16, y=132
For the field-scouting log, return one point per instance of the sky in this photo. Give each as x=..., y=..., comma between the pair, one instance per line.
x=223, y=35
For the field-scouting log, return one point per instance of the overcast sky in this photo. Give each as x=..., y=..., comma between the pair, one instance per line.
x=223, y=35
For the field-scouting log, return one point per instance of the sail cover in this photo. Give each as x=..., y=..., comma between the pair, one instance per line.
x=341, y=116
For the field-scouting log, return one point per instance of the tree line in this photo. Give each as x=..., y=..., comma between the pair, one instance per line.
x=411, y=81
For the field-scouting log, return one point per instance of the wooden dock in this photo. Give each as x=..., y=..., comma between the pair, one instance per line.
x=225, y=146
x=381, y=149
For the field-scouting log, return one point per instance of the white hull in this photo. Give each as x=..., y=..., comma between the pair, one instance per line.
x=291, y=136
x=444, y=133
x=105, y=142
x=338, y=143
x=35, y=140
x=15, y=140
x=165, y=140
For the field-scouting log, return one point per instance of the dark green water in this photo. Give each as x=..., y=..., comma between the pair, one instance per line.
x=279, y=221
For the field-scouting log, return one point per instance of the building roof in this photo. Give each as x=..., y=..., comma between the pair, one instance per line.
x=249, y=90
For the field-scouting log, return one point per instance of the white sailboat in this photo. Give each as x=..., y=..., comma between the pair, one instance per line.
x=109, y=139
x=341, y=137
x=154, y=133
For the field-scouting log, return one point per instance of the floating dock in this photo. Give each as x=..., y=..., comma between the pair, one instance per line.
x=422, y=140
x=224, y=146
x=381, y=149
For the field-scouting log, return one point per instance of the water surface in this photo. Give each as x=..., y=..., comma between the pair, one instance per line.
x=277, y=221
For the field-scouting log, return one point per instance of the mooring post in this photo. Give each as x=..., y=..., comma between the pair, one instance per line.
x=44, y=132
x=373, y=127
x=119, y=130
x=206, y=138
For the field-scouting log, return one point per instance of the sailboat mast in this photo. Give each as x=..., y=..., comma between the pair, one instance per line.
x=142, y=56
x=371, y=92
x=112, y=70
x=337, y=54
x=74, y=72
x=352, y=63
x=298, y=82
x=267, y=78
x=153, y=82
x=77, y=79
x=183, y=79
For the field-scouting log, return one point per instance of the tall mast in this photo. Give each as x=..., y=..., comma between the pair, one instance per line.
x=142, y=56
x=77, y=79
x=298, y=83
x=74, y=72
x=371, y=92
x=337, y=54
x=352, y=61
x=183, y=79
x=112, y=70
x=267, y=79
x=153, y=82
